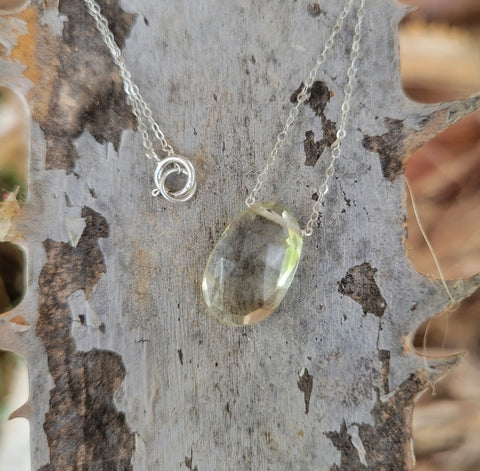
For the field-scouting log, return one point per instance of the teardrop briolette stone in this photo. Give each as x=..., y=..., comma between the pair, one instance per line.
x=252, y=265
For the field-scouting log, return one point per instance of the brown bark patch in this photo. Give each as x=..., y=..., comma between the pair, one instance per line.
x=390, y=148
x=384, y=357
x=387, y=443
x=83, y=427
x=360, y=285
x=189, y=462
x=314, y=149
x=349, y=459
x=399, y=142
x=305, y=384
x=319, y=97
x=314, y=10
x=20, y=320
x=77, y=85
x=24, y=50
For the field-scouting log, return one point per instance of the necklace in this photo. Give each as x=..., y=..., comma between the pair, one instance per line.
x=253, y=263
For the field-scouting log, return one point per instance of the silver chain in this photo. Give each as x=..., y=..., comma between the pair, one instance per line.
x=341, y=133
x=303, y=96
x=147, y=126
x=173, y=163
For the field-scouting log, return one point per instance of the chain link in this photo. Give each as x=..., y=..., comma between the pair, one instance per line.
x=146, y=124
x=302, y=97
x=342, y=132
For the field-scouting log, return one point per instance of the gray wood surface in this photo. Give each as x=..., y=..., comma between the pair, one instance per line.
x=127, y=370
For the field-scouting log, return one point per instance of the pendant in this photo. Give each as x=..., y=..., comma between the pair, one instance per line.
x=252, y=265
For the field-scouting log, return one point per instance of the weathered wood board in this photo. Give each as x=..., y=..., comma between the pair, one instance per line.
x=127, y=369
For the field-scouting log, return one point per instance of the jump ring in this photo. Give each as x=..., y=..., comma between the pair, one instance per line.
x=175, y=164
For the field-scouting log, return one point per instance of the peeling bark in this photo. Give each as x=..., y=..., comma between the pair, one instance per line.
x=83, y=426
x=319, y=98
x=79, y=89
x=359, y=284
x=127, y=369
x=305, y=384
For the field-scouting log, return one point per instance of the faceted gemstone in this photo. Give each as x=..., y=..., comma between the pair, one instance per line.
x=252, y=265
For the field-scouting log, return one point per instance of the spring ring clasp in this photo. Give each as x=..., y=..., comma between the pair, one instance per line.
x=166, y=167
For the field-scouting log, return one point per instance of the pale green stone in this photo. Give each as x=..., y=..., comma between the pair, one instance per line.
x=252, y=265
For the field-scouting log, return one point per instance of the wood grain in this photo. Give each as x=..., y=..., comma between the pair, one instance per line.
x=127, y=369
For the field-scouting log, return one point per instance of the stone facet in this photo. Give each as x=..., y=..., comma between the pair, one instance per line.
x=252, y=265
